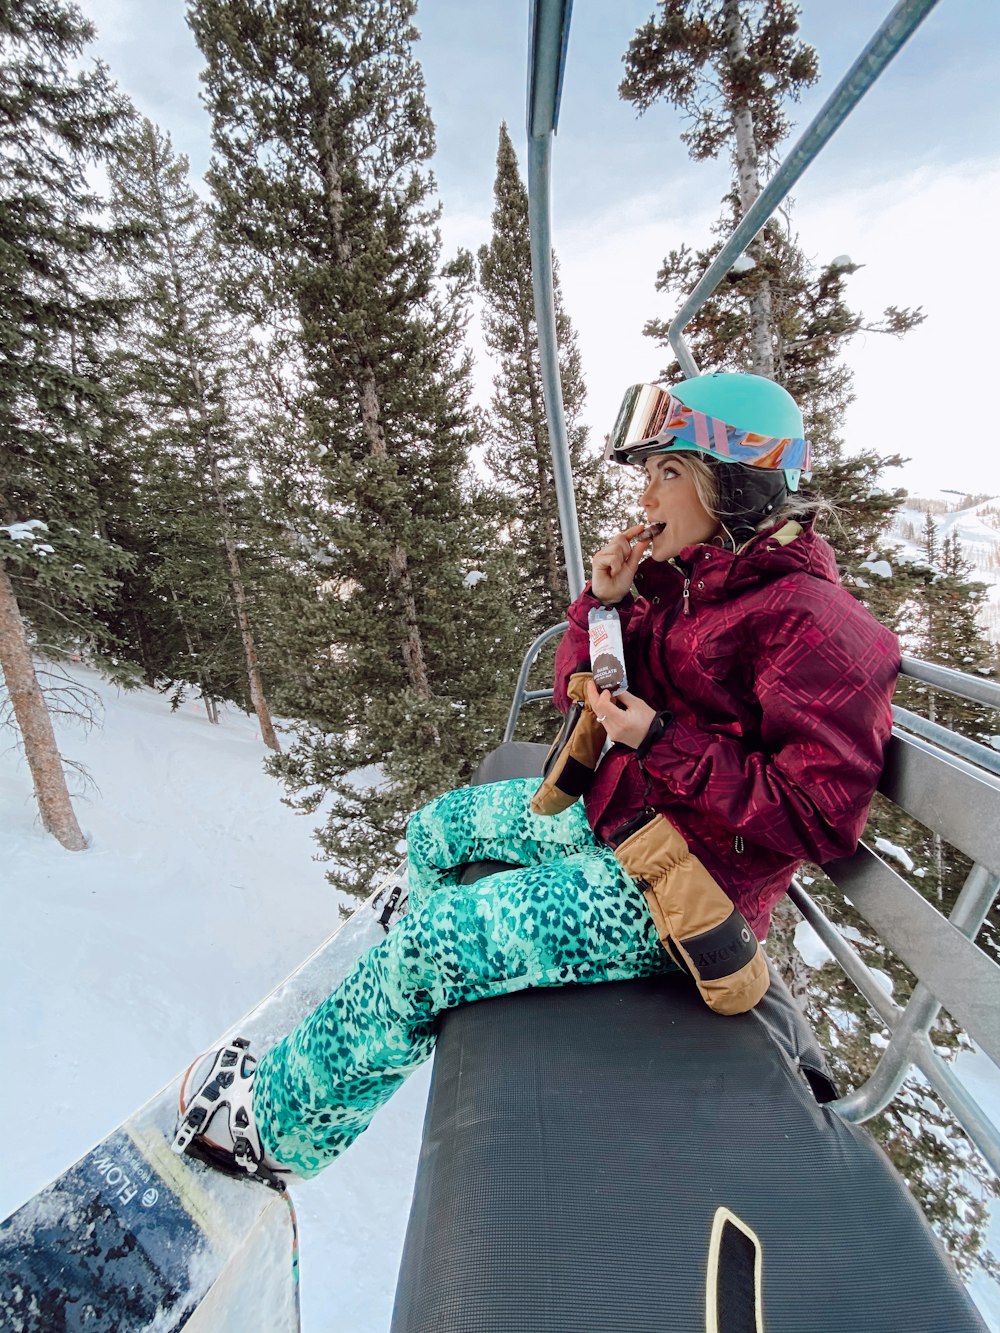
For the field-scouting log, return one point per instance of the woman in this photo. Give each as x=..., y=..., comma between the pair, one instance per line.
x=750, y=739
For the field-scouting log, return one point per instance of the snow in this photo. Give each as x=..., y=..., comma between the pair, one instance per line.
x=854, y=935
x=743, y=264
x=880, y=567
x=884, y=980
x=473, y=577
x=897, y=853
x=21, y=532
x=112, y=977
x=814, y=952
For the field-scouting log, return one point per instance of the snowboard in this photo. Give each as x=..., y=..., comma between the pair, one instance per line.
x=133, y=1236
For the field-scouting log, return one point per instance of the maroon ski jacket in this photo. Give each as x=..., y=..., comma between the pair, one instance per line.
x=778, y=685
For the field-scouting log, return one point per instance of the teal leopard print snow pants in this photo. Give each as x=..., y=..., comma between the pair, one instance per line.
x=568, y=913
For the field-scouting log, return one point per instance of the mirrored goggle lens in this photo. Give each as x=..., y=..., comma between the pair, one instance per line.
x=645, y=410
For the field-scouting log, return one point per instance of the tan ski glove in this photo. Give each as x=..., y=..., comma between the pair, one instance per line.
x=570, y=763
x=697, y=922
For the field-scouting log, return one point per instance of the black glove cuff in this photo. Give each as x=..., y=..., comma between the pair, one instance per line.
x=656, y=729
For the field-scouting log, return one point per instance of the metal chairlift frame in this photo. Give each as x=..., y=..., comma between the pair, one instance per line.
x=951, y=784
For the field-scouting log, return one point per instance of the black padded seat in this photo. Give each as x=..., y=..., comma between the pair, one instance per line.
x=606, y=1158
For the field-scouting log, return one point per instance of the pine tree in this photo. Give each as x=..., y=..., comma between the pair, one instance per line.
x=321, y=133
x=515, y=428
x=56, y=563
x=943, y=626
x=730, y=67
x=178, y=370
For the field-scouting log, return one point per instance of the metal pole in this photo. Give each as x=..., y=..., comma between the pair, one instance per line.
x=979, y=689
x=549, y=34
x=886, y=43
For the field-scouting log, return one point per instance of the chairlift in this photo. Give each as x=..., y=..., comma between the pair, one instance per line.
x=617, y=1157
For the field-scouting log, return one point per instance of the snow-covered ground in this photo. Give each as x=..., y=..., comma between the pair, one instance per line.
x=198, y=893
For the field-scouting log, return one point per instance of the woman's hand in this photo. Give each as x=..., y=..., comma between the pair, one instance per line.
x=625, y=717
x=613, y=566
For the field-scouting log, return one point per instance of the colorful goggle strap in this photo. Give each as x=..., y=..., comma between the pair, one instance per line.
x=651, y=417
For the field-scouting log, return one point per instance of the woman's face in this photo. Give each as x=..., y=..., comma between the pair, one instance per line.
x=670, y=498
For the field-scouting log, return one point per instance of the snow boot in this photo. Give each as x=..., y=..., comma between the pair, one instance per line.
x=216, y=1123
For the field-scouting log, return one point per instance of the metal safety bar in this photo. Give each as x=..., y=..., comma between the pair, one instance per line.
x=978, y=689
x=914, y=668
x=900, y=25
x=521, y=693
x=910, y=1043
x=948, y=740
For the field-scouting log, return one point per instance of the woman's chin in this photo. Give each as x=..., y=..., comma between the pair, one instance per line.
x=662, y=547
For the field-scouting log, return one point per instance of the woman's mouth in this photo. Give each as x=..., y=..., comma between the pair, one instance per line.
x=650, y=531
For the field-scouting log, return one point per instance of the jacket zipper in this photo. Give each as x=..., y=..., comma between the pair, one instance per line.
x=686, y=594
x=738, y=845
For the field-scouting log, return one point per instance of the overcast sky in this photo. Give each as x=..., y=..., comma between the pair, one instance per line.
x=909, y=187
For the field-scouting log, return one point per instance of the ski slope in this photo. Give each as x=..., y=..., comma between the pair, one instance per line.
x=198, y=893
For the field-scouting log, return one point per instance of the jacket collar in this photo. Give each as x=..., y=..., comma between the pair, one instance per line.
x=716, y=574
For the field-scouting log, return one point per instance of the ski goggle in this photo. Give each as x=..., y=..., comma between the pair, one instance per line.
x=651, y=420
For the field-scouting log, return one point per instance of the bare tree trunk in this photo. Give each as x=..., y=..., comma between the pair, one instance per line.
x=938, y=854
x=210, y=709
x=33, y=719
x=748, y=183
x=254, y=681
x=399, y=569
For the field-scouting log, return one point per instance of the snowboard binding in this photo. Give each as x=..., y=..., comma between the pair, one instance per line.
x=216, y=1124
x=391, y=901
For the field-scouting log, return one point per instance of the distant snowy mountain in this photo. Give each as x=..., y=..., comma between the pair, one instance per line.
x=977, y=529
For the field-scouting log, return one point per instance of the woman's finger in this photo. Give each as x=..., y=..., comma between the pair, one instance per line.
x=637, y=552
x=621, y=543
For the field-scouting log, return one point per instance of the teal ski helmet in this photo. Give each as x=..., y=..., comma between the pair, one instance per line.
x=748, y=427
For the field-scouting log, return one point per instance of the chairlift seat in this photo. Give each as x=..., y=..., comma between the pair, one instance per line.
x=616, y=1157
